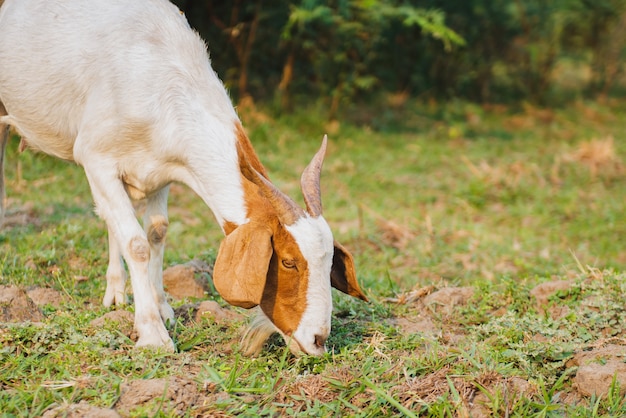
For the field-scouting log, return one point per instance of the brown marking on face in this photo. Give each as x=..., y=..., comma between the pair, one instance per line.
x=284, y=296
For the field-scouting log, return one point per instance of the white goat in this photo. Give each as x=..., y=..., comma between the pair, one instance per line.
x=125, y=89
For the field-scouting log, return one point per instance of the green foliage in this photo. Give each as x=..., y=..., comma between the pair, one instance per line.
x=344, y=51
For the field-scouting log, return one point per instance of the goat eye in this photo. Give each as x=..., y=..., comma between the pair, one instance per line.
x=289, y=264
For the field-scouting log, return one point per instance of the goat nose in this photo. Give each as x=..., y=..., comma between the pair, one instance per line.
x=320, y=340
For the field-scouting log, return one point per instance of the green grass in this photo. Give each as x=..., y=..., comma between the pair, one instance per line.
x=425, y=195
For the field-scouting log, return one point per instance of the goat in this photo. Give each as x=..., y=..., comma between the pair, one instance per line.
x=125, y=89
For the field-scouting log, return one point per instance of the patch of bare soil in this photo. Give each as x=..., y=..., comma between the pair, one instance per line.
x=312, y=386
x=122, y=319
x=423, y=390
x=598, y=367
x=16, y=306
x=208, y=309
x=211, y=309
x=80, y=410
x=20, y=216
x=187, y=280
x=542, y=294
x=427, y=302
x=173, y=396
x=446, y=299
x=43, y=296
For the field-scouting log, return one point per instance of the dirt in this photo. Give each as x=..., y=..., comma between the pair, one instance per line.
x=187, y=280
x=429, y=307
x=543, y=292
x=43, y=296
x=80, y=410
x=172, y=395
x=598, y=367
x=121, y=319
x=17, y=306
x=430, y=311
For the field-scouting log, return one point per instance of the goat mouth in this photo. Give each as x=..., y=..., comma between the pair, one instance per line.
x=298, y=349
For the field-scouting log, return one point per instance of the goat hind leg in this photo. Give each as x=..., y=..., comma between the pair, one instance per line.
x=115, y=293
x=155, y=225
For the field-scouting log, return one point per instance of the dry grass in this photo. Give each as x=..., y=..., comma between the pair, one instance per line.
x=599, y=156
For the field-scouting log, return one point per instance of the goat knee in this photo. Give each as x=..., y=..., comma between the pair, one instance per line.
x=139, y=249
x=157, y=231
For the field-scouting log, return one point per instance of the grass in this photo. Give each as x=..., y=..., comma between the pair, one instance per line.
x=425, y=196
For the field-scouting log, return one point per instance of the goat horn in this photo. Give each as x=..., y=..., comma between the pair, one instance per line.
x=287, y=210
x=310, y=182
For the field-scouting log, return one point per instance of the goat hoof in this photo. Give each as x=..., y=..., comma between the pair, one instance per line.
x=114, y=298
x=167, y=313
x=158, y=343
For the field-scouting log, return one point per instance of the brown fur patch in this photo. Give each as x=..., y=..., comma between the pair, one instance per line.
x=228, y=227
x=284, y=296
x=245, y=146
x=157, y=231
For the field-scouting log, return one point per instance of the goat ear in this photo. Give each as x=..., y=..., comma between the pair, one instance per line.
x=242, y=263
x=342, y=274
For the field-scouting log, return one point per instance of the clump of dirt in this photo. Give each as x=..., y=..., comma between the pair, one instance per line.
x=543, y=292
x=427, y=303
x=212, y=309
x=124, y=320
x=514, y=388
x=187, y=280
x=311, y=386
x=208, y=309
x=597, y=368
x=16, y=306
x=43, y=296
x=80, y=410
x=421, y=390
x=173, y=396
x=446, y=299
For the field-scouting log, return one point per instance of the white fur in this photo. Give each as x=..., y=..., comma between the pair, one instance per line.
x=315, y=241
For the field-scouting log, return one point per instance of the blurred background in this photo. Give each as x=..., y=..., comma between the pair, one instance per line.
x=346, y=52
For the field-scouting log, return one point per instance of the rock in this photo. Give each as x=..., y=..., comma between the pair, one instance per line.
x=181, y=282
x=16, y=306
x=597, y=368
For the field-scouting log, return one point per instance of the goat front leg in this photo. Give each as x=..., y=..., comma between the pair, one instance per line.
x=115, y=207
x=155, y=225
x=115, y=293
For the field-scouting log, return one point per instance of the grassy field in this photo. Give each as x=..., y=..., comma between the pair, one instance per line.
x=455, y=214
